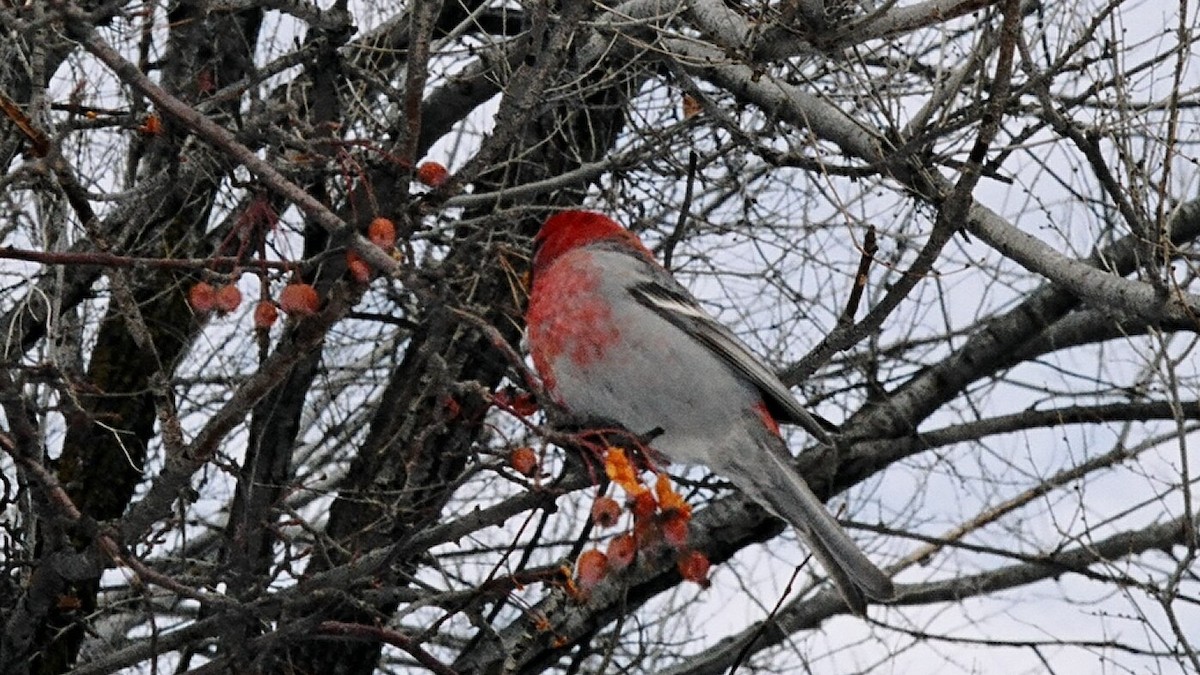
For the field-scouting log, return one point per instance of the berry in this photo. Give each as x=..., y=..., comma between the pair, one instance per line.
x=202, y=297
x=265, y=314
x=693, y=566
x=524, y=461
x=590, y=569
x=299, y=299
x=433, y=174
x=228, y=299
x=606, y=511
x=382, y=233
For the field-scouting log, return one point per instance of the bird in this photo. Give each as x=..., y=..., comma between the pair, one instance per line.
x=614, y=337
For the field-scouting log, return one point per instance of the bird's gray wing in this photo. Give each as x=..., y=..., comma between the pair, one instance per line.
x=671, y=301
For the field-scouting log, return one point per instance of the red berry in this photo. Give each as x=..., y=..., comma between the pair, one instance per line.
x=524, y=461
x=433, y=174
x=675, y=528
x=382, y=233
x=228, y=299
x=202, y=297
x=299, y=299
x=153, y=125
x=621, y=551
x=693, y=566
x=606, y=511
x=358, y=268
x=590, y=569
x=265, y=314
x=644, y=505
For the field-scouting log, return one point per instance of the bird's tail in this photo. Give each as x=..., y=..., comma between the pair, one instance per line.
x=776, y=485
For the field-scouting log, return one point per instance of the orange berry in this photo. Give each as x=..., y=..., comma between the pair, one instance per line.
x=228, y=299
x=524, y=461
x=299, y=299
x=675, y=528
x=382, y=233
x=265, y=314
x=643, y=505
x=606, y=511
x=358, y=268
x=668, y=497
x=621, y=471
x=433, y=174
x=590, y=569
x=693, y=566
x=202, y=297
x=621, y=551
x=153, y=125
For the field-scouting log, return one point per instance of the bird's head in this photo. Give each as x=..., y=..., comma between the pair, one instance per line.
x=568, y=230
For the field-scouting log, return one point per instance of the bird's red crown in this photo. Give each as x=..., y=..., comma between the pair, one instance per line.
x=568, y=230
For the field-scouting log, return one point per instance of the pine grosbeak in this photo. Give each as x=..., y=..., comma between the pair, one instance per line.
x=617, y=340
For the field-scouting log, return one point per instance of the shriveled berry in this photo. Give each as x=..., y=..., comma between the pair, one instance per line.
x=606, y=511
x=674, y=528
x=621, y=551
x=299, y=299
x=228, y=299
x=643, y=505
x=358, y=268
x=590, y=569
x=265, y=314
x=202, y=297
x=693, y=566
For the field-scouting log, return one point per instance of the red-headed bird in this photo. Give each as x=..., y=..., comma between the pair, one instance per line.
x=616, y=338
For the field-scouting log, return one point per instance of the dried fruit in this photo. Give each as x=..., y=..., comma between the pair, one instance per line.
x=674, y=528
x=433, y=174
x=668, y=498
x=202, y=297
x=358, y=268
x=382, y=233
x=693, y=566
x=524, y=461
x=643, y=505
x=620, y=470
x=621, y=551
x=153, y=125
x=590, y=569
x=299, y=299
x=265, y=314
x=228, y=299
x=606, y=512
